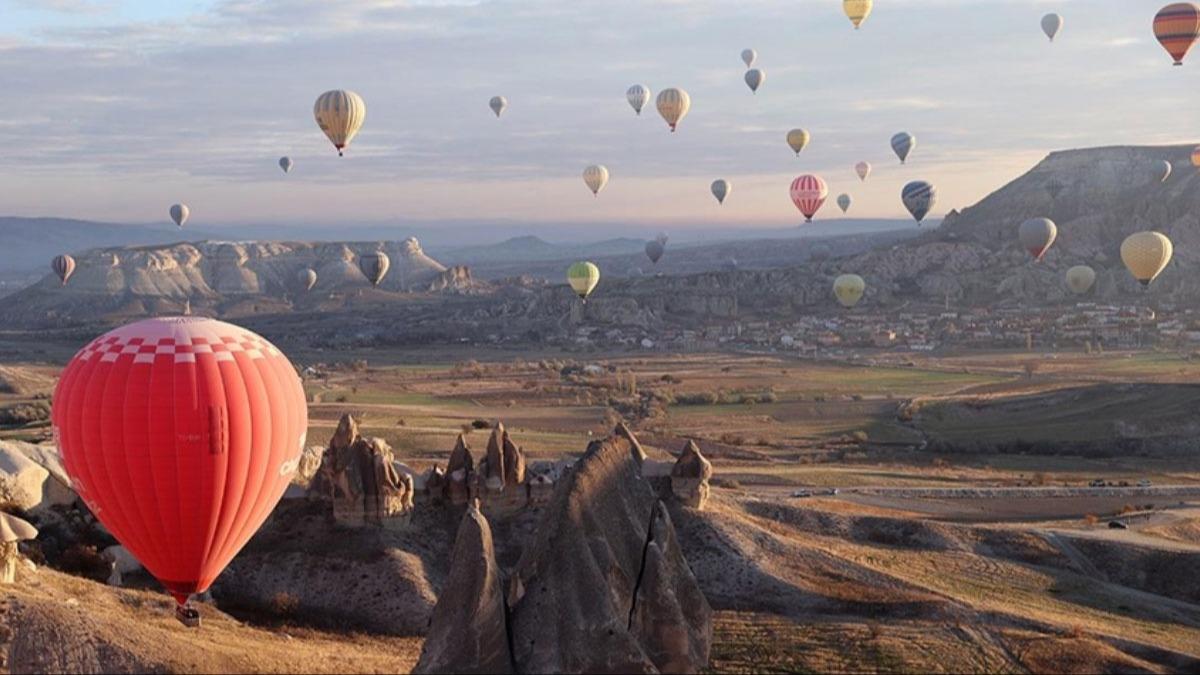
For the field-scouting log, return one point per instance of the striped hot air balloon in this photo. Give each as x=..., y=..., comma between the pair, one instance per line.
x=673, y=104
x=340, y=114
x=857, y=11
x=808, y=193
x=595, y=177
x=180, y=434
x=902, y=144
x=583, y=278
x=638, y=96
x=1176, y=27
x=63, y=266
x=919, y=197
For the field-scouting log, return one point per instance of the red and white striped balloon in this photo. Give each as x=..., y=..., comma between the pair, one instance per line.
x=808, y=194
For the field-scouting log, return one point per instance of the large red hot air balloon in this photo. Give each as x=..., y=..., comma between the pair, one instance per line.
x=181, y=435
x=1177, y=26
x=808, y=194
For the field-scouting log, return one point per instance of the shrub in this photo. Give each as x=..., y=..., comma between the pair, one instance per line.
x=85, y=560
x=24, y=413
x=697, y=398
x=1091, y=519
x=481, y=424
x=284, y=604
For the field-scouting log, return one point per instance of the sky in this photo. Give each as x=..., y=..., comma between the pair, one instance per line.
x=117, y=109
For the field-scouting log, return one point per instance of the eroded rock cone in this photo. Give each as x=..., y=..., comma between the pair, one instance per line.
x=690, y=476
x=493, y=463
x=574, y=594
x=358, y=476
x=468, y=631
x=459, y=472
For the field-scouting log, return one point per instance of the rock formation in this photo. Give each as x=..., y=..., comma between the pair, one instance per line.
x=460, y=472
x=690, y=476
x=22, y=481
x=500, y=477
x=468, y=631
x=12, y=531
x=359, y=479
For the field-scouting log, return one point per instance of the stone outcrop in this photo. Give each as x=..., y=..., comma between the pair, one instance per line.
x=358, y=478
x=22, y=480
x=690, y=476
x=500, y=477
x=13, y=530
x=468, y=631
x=460, y=472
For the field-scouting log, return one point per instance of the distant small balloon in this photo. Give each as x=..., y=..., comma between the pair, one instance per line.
x=583, y=278
x=1080, y=279
x=179, y=214
x=498, y=104
x=1163, y=170
x=754, y=79
x=919, y=197
x=797, y=140
x=285, y=163
x=843, y=202
x=374, y=266
x=1051, y=25
x=1146, y=255
x=655, y=250
x=673, y=104
x=863, y=169
x=1196, y=157
x=1054, y=188
x=849, y=289
x=340, y=114
x=721, y=189
x=63, y=266
x=857, y=11
x=1037, y=235
x=308, y=278
x=595, y=177
x=749, y=57
x=638, y=96
x=808, y=193
x=902, y=144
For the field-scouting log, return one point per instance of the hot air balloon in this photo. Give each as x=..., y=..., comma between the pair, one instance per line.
x=754, y=79
x=1196, y=157
x=902, y=144
x=662, y=238
x=749, y=56
x=498, y=104
x=843, y=202
x=1051, y=24
x=797, y=140
x=655, y=250
x=1080, y=279
x=1054, y=188
x=1177, y=26
x=596, y=177
x=848, y=289
x=340, y=114
x=808, y=194
x=180, y=434
x=63, y=266
x=308, y=278
x=857, y=11
x=583, y=277
x=374, y=266
x=919, y=197
x=285, y=163
x=721, y=189
x=673, y=105
x=638, y=96
x=1036, y=235
x=1162, y=170
x=179, y=214
x=863, y=169
x=1146, y=255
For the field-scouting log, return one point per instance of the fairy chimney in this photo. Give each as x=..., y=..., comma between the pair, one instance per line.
x=690, y=476
x=459, y=472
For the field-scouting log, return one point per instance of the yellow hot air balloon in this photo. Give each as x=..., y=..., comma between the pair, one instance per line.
x=583, y=277
x=849, y=289
x=340, y=114
x=798, y=139
x=1146, y=254
x=1080, y=279
x=673, y=104
x=857, y=11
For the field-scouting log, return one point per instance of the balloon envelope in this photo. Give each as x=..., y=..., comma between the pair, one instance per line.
x=638, y=96
x=498, y=104
x=1036, y=235
x=863, y=169
x=754, y=78
x=583, y=277
x=1196, y=157
x=1051, y=25
x=749, y=56
x=308, y=278
x=1146, y=255
x=849, y=289
x=857, y=11
x=596, y=177
x=808, y=193
x=721, y=189
x=179, y=214
x=285, y=163
x=919, y=197
x=655, y=250
x=673, y=104
x=374, y=266
x=181, y=435
x=902, y=144
x=1176, y=27
x=843, y=202
x=1080, y=279
x=340, y=114
x=797, y=140
x=1162, y=170
x=1054, y=188
x=63, y=266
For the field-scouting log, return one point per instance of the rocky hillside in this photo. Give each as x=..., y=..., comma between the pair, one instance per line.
x=223, y=278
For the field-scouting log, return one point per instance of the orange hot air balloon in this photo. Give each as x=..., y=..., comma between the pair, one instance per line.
x=1177, y=26
x=1196, y=157
x=181, y=435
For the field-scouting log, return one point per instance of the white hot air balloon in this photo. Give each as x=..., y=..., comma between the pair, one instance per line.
x=749, y=57
x=673, y=104
x=179, y=214
x=498, y=104
x=596, y=177
x=340, y=114
x=638, y=96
